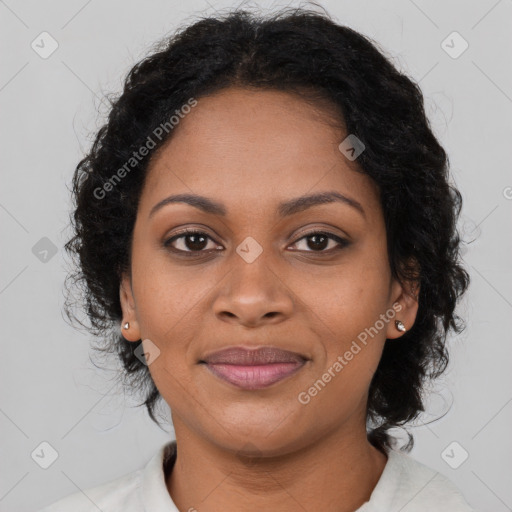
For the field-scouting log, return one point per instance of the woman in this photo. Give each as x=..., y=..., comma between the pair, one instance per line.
x=267, y=237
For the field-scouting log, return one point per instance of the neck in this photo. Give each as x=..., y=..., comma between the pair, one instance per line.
x=337, y=473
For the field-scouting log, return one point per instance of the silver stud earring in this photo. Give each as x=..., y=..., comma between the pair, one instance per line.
x=126, y=325
x=400, y=326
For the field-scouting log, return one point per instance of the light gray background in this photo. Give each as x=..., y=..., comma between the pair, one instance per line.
x=50, y=390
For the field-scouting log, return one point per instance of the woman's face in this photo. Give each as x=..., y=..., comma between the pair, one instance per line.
x=258, y=276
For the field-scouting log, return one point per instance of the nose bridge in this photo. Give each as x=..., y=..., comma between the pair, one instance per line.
x=251, y=270
x=253, y=290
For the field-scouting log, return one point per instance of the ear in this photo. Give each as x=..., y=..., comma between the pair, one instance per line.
x=405, y=304
x=128, y=307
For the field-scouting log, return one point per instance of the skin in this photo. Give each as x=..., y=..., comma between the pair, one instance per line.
x=262, y=449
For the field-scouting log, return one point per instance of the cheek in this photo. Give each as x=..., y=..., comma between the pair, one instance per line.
x=351, y=298
x=351, y=308
x=165, y=297
x=352, y=346
x=170, y=312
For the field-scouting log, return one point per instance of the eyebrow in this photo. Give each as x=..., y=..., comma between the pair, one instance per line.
x=284, y=209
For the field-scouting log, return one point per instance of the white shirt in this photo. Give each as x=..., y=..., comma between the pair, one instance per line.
x=405, y=485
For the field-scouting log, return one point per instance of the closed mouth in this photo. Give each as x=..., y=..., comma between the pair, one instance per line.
x=253, y=368
x=253, y=357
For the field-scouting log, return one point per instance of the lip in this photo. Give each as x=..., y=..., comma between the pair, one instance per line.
x=253, y=368
x=244, y=356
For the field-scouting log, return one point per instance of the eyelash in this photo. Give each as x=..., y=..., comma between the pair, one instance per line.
x=182, y=234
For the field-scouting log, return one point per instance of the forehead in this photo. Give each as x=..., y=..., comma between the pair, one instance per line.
x=243, y=145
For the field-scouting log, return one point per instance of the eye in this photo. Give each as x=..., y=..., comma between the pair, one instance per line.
x=195, y=241
x=320, y=240
x=190, y=241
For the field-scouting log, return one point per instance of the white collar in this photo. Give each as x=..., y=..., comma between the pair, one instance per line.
x=155, y=496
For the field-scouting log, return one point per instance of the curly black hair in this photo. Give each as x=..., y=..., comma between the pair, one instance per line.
x=304, y=52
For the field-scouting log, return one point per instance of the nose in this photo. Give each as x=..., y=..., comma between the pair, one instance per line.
x=253, y=294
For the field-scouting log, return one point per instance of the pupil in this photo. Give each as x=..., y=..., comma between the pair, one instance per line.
x=322, y=244
x=193, y=245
